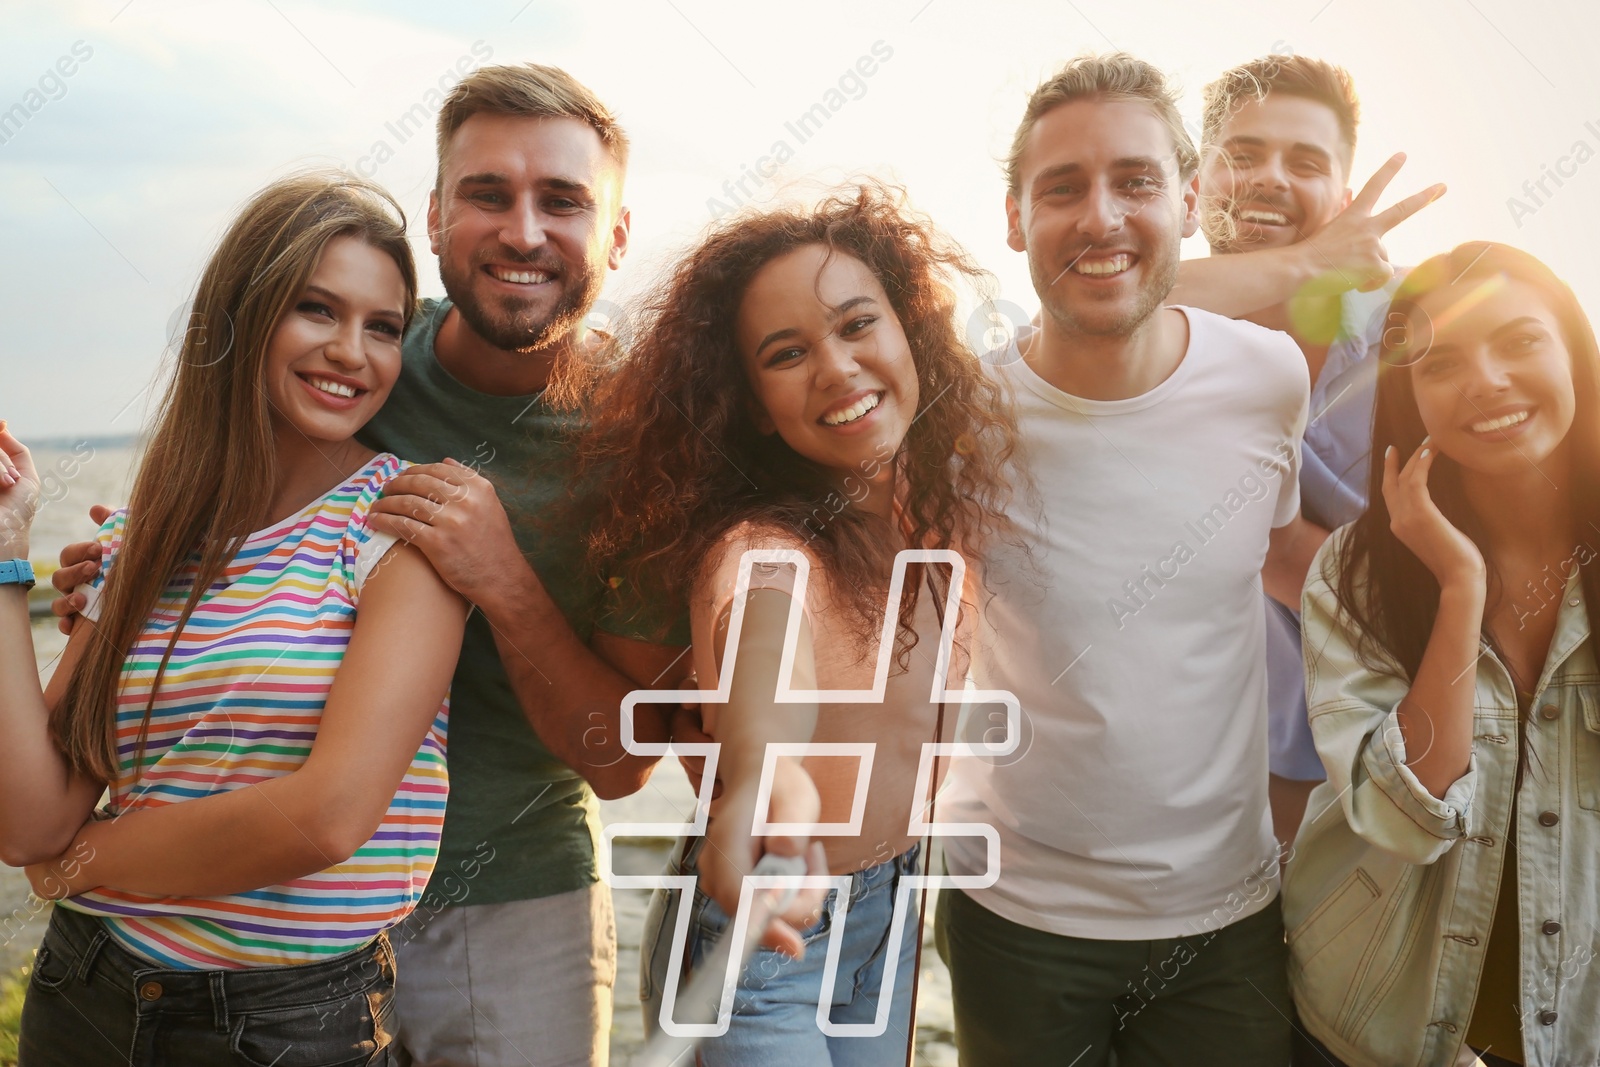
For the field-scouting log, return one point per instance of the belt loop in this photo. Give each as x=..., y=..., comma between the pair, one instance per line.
x=386, y=952
x=92, y=954
x=219, y=1002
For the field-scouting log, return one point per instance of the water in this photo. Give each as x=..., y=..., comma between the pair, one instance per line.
x=77, y=474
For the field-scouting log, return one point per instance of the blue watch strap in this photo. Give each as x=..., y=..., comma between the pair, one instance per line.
x=16, y=572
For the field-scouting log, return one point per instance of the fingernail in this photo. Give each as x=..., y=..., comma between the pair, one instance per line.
x=1425, y=452
x=1387, y=452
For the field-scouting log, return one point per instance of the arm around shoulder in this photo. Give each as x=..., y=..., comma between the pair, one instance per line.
x=1243, y=282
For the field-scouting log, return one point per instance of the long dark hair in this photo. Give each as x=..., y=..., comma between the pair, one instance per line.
x=211, y=450
x=679, y=460
x=1379, y=582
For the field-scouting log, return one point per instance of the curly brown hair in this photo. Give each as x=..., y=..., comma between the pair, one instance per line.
x=675, y=455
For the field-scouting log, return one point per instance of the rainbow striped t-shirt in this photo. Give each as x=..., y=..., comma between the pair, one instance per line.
x=239, y=704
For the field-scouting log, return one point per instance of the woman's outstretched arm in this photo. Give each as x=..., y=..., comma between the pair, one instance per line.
x=390, y=684
x=42, y=803
x=751, y=720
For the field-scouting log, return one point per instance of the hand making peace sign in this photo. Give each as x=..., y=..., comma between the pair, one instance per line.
x=1352, y=244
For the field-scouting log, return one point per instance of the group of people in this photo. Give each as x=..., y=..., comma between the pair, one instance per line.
x=314, y=781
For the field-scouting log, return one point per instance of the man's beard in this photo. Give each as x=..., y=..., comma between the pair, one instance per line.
x=520, y=328
x=1161, y=275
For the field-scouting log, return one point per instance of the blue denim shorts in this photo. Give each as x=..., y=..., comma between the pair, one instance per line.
x=91, y=1002
x=775, y=1008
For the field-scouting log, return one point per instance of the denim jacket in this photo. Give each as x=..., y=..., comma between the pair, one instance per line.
x=1389, y=892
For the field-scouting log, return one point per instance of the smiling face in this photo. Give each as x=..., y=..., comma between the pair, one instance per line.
x=527, y=218
x=335, y=353
x=827, y=360
x=1494, y=383
x=1100, y=210
x=1278, y=173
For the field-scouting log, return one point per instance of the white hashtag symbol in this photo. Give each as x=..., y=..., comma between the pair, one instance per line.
x=917, y=824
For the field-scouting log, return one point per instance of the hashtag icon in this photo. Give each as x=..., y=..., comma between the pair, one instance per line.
x=917, y=820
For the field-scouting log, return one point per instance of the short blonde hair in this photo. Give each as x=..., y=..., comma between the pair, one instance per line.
x=1115, y=76
x=532, y=90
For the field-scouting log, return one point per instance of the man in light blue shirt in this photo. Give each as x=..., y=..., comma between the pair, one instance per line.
x=1293, y=250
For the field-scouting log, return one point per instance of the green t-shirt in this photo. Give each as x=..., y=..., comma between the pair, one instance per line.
x=520, y=824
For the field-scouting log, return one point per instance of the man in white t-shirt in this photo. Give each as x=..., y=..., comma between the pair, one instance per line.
x=1135, y=908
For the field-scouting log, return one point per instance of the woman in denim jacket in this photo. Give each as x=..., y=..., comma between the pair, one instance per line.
x=1444, y=890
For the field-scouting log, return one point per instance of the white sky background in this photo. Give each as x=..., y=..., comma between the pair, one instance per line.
x=112, y=196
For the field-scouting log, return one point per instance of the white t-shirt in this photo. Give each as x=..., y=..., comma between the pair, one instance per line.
x=1135, y=805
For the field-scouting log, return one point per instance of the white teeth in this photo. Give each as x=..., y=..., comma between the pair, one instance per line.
x=1490, y=425
x=1114, y=265
x=1271, y=218
x=521, y=277
x=853, y=412
x=322, y=385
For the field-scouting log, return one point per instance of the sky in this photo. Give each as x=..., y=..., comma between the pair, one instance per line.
x=144, y=124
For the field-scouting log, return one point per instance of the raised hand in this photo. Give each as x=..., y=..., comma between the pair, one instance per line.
x=1351, y=245
x=80, y=562
x=1419, y=524
x=19, y=495
x=453, y=514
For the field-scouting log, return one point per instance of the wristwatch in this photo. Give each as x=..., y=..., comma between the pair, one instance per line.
x=16, y=572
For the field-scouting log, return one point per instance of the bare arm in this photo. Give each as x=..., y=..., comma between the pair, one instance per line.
x=390, y=684
x=1290, y=550
x=572, y=693
x=1435, y=715
x=1244, y=282
x=41, y=802
x=751, y=720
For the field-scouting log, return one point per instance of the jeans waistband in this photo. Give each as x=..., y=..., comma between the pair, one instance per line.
x=216, y=992
x=861, y=882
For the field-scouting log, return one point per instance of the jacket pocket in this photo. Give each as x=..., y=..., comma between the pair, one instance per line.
x=1586, y=749
x=1330, y=918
